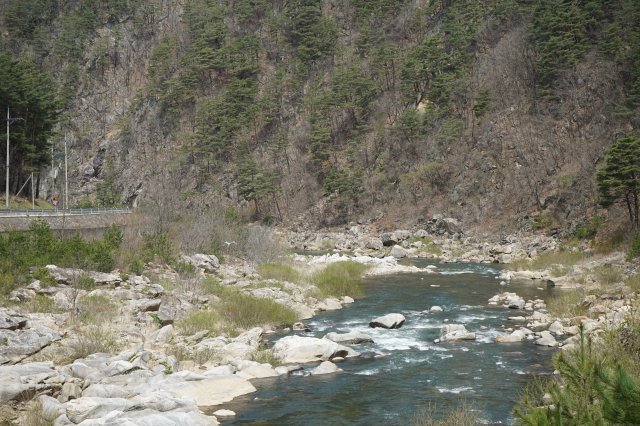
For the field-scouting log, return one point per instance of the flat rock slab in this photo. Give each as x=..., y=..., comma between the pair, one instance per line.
x=388, y=321
x=300, y=350
x=353, y=337
x=213, y=391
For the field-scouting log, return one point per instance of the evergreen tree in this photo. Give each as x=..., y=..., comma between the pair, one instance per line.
x=619, y=178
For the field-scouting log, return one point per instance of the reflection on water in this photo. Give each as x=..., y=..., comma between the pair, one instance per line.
x=414, y=372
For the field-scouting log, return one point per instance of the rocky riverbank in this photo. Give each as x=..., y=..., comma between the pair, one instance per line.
x=92, y=348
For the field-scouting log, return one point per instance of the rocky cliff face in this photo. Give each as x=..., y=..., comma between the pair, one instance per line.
x=308, y=111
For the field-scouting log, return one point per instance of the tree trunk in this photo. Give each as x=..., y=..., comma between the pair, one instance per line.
x=627, y=199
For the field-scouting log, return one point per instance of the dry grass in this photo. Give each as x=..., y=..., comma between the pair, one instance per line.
x=93, y=339
x=34, y=415
x=280, y=272
x=462, y=416
x=607, y=275
x=559, y=262
x=41, y=303
x=201, y=320
x=568, y=303
x=266, y=356
x=96, y=309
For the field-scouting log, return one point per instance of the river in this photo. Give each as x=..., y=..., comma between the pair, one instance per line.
x=415, y=372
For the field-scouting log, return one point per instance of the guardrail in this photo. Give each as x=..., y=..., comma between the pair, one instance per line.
x=61, y=212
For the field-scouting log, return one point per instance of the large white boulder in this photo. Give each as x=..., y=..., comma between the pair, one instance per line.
x=455, y=332
x=388, y=321
x=299, y=349
x=78, y=410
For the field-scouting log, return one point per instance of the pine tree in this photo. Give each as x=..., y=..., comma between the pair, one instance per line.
x=619, y=178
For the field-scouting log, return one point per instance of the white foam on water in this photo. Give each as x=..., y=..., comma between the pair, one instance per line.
x=487, y=336
x=370, y=372
x=454, y=390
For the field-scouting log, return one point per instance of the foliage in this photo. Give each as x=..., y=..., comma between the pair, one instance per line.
x=619, y=177
x=589, y=230
x=548, y=259
x=340, y=279
x=27, y=92
x=311, y=34
x=20, y=251
x=93, y=339
x=592, y=389
x=634, y=249
x=279, y=271
x=242, y=311
x=198, y=321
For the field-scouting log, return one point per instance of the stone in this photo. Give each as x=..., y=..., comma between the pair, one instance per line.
x=70, y=390
x=213, y=391
x=508, y=338
x=11, y=321
x=546, y=339
x=556, y=327
x=388, y=321
x=300, y=350
x=435, y=309
x=398, y=252
x=284, y=370
x=147, y=305
x=326, y=367
x=173, y=308
x=165, y=334
x=207, y=262
x=347, y=300
x=78, y=410
x=224, y=413
x=353, y=337
x=451, y=332
x=300, y=326
x=329, y=304
x=257, y=371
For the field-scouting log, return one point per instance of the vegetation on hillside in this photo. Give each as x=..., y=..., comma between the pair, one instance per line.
x=363, y=103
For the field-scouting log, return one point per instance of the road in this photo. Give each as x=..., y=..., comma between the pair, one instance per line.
x=61, y=213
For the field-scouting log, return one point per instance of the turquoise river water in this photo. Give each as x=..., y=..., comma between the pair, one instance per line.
x=415, y=372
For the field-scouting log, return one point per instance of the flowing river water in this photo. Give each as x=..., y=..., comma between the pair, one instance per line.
x=415, y=372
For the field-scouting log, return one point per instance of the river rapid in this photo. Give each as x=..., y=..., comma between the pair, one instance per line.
x=414, y=372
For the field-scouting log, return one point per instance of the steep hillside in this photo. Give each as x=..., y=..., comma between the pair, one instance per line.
x=496, y=112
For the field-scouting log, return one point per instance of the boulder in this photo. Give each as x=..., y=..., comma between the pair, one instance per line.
x=254, y=370
x=299, y=349
x=213, y=391
x=70, y=390
x=451, y=332
x=78, y=410
x=9, y=320
x=326, y=367
x=398, y=252
x=435, y=309
x=516, y=336
x=388, y=321
x=224, y=413
x=546, y=339
x=207, y=262
x=353, y=337
x=173, y=308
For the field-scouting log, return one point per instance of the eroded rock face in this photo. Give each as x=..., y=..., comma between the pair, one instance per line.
x=388, y=321
x=299, y=349
x=206, y=262
x=213, y=391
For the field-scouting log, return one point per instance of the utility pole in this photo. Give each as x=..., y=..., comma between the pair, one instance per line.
x=9, y=122
x=66, y=180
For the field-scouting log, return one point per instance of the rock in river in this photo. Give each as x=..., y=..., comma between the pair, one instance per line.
x=299, y=349
x=388, y=321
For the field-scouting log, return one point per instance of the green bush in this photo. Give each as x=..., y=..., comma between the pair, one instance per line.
x=340, y=279
x=243, y=311
x=634, y=249
x=200, y=320
x=589, y=230
x=461, y=416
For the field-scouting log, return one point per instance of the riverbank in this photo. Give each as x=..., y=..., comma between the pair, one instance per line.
x=81, y=346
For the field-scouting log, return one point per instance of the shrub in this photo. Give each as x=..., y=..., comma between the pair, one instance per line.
x=562, y=260
x=41, y=303
x=266, y=356
x=340, y=279
x=243, y=311
x=567, y=303
x=96, y=309
x=279, y=271
x=589, y=230
x=93, y=339
x=200, y=320
x=607, y=274
x=634, y=249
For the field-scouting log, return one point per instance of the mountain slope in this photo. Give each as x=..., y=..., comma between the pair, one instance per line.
x=326, y=112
